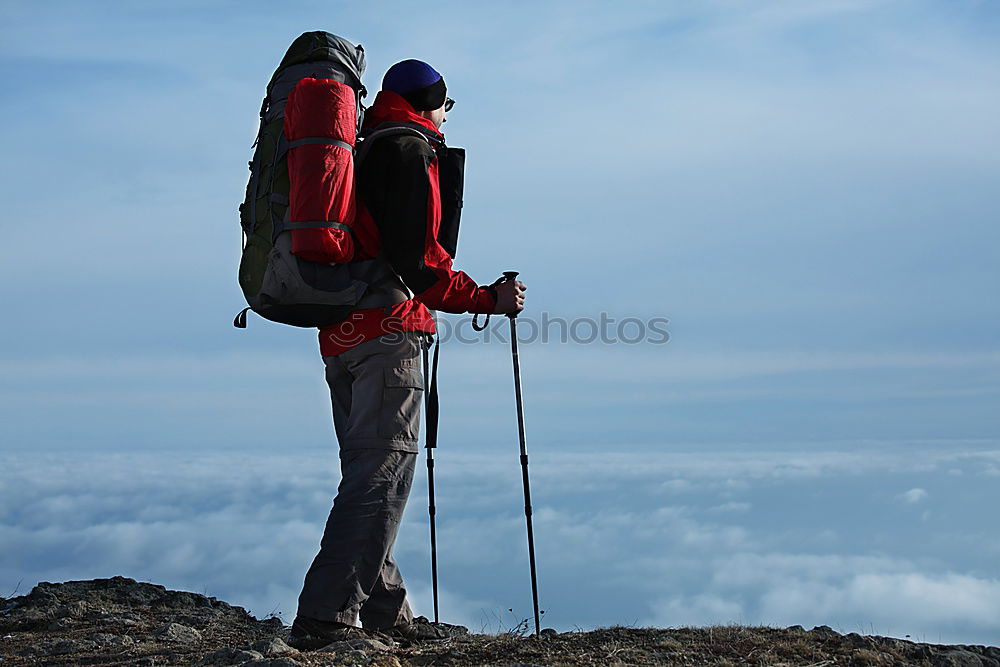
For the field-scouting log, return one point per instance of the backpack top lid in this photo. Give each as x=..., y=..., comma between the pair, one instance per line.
x=320, y=45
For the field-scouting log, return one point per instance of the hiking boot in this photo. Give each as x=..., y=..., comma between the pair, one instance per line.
x=420, y=629
x=308, y=634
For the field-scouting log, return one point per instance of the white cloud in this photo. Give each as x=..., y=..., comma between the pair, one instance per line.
x=854, y=594
x=913, y=496
x=899, y=602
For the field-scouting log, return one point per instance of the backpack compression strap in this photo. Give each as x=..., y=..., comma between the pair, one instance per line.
x=284, y=146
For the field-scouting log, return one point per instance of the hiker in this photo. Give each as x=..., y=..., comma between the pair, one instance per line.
x=372, y=363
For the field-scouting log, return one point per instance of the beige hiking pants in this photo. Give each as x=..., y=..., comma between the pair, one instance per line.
x=377, y=389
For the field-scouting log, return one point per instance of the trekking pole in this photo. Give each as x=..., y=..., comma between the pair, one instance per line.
x=508, y=276
x=431, y=407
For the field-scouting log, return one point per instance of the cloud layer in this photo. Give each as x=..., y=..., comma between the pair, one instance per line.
x=671, y=538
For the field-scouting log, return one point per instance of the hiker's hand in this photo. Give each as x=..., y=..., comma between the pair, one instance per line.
x=510, y=297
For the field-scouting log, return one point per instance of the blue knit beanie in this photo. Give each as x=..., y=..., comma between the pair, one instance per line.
x=417, y=82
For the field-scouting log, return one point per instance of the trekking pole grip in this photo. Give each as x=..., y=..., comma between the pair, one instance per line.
x=507, y=277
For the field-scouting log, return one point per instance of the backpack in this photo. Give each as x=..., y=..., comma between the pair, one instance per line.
x=299, y=271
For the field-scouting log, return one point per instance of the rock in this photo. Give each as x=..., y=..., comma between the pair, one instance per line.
x=955, y=658
x=230, y=656
x=271, y=662
x=129, y=593
x=123, y=619
x=450, y=628
x=60, y=624
x=273, y=647
x=355, y=645
x=272, y=623
x=107, y=640
x=825, y=631
x=857, y=641
x=34, y=618
x=198, y=617
x=890, y=643
x=51, y=647
x=43, y=594
x=75, y=609
x=795, y=628
x=175, y=632
x=548, y=632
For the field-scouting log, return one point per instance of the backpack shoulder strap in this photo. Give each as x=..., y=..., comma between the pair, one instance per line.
x=387, y=130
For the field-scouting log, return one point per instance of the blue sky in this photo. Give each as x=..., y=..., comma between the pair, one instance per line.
x=807, y=191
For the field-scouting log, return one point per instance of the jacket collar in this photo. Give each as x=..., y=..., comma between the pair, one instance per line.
x=390, y=107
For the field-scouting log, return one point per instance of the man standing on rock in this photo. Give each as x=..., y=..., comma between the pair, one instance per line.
x=373, y=370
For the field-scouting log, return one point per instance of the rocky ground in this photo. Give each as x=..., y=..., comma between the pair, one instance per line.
x=122, y=622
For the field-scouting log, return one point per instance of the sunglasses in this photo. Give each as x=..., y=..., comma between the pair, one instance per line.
x=448, y=103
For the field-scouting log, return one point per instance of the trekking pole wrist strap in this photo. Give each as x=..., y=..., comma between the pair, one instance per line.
x=492, y=289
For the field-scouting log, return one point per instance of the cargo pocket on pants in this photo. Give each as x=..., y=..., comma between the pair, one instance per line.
x=399, y=418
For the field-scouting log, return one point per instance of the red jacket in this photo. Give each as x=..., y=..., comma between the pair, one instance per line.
x=399, y=214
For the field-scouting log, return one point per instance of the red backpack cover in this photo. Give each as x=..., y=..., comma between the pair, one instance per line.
x=320, y=127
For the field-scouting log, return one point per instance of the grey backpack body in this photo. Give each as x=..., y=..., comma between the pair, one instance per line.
x=278, y=285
